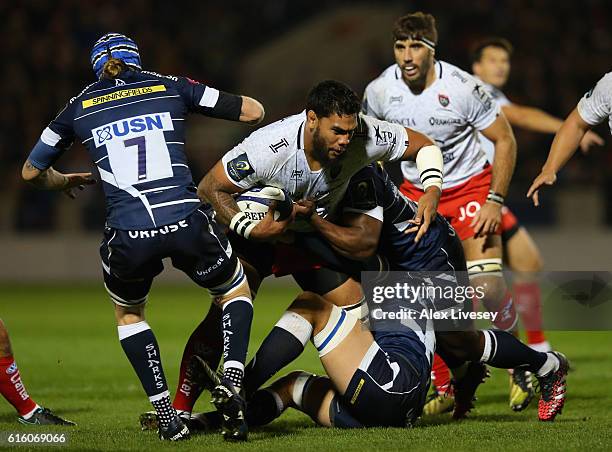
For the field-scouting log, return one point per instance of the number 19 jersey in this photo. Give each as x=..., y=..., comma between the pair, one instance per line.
x=134, y=130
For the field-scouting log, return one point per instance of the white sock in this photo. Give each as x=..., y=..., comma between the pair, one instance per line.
x=551, y=365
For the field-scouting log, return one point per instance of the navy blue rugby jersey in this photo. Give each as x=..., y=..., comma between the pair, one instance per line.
x=371, y=191
x=134, y=130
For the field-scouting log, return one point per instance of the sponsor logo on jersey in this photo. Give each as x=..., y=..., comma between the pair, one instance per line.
x=483, y=97
x=396, y=99
x=239, y=167
x=130, y=127
x=443, y=99
x=460, y=76
x=443, y=121
x=297, y=174
x=448, y=157
x=12, y=369
x=383, y=137
x=122, y=94
x=169, y=77
x=168, y=229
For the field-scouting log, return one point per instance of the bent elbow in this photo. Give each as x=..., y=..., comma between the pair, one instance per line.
x=29, y=172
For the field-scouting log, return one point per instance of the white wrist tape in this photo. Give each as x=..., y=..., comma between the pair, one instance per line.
x=242, y=225
x=430, y=165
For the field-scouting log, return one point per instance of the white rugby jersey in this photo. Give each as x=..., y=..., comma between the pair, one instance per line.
x=450, y=111
x=502, y=100
x=596, y=105
x=274, y=155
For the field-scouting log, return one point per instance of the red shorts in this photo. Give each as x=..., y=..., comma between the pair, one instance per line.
x=459, y=204
x=509, y=225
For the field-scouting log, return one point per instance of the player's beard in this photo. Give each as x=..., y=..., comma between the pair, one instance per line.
x=418, y=84
x=320, y=152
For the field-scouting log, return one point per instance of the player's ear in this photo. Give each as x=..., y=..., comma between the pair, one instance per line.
x=312, y=118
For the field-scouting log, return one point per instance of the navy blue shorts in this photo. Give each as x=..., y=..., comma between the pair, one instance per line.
x=196, y=245
x=389, y=387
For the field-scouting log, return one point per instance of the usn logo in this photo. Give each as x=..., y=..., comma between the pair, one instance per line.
x=130, y=127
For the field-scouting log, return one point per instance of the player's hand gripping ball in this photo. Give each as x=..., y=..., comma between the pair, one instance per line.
x=256, y=201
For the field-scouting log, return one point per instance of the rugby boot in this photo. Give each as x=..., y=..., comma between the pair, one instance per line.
x=521, y=389
x=552, y=390
x=44, y=416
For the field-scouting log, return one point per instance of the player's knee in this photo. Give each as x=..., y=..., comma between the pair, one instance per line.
x=487, y=278
x=312, y=307
x=128, y=315
x=236, y=286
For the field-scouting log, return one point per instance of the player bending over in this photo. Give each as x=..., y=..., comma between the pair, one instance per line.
x=14, y=391
x=132, y=123
x=311, y=154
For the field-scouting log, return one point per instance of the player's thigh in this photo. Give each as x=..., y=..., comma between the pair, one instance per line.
x=522, y=254
x=336, y=287
x=341, y=363
x=203, y=252
x=488, y=247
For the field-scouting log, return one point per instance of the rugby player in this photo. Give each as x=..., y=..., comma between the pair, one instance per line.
x=491, y=64
x=452, y=107
x=594, y=108
x=312, y=154
x=14, y=391
x=133, y=125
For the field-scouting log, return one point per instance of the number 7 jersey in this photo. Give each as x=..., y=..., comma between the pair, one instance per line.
x=134, y=130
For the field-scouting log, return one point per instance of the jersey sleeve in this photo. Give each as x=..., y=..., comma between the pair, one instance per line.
x=370, y=105
x=209, y=101
x=595, y=105
x=479, y=107
x=364, y=195
x=57, y=137
x=250, y=162
x=385, y=141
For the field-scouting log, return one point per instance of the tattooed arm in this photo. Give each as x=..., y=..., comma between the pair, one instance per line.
x=51, y=179
x=216, y=189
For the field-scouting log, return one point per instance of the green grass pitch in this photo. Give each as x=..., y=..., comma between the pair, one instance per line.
x=65, y=343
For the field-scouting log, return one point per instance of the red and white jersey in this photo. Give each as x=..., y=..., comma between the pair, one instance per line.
x=596, y=105
x=451, y=112
x=501, y=99
x=274, y=155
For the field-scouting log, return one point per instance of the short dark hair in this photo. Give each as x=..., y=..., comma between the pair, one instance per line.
x=331, y=97
x=493, y=41
x=419, y=25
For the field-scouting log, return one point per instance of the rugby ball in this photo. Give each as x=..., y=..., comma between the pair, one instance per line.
x=256, y=201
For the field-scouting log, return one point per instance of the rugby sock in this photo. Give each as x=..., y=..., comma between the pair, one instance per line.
x=285, y=343
x=13, y=389
x=206, y=342
x=140, y=347
x=503, y=350
x=236, y=329
x=528, y=304
x=440, y=374
x=264, y=406
x=506, y=314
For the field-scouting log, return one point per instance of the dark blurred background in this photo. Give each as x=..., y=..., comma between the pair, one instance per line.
x=275, y=50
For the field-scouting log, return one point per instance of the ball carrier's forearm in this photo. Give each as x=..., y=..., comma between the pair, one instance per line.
x=212, y=191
